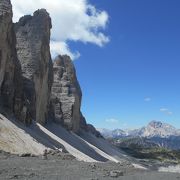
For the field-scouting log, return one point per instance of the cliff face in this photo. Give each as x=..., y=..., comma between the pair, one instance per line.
x=66, y=94
x=66, y=97
x=33, y=37
x=7, y=55
x=27, y=72
x=11, y=89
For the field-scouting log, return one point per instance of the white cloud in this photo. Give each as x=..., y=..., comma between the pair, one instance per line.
x=73, y=20
x=147, y=99
x=166, y=111
x=169, y=113
x=112, y=120
x=62, y=48
x=163, y=109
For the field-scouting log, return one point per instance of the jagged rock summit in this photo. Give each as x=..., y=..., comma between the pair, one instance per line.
x=54, y=116
x=44, y=96
x=153, y=129
x=31, y=86
x=66, y=97
x=66, y=94
x=159, y=129
x=33, y=37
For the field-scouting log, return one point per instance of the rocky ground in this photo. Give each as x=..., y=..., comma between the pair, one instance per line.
x=62, y=166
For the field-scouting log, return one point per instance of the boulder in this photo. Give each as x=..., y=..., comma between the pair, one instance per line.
x=116, y=173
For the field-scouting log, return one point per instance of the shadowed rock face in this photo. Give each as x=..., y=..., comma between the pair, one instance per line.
x=11, y=89
x=33, y=37
x=7, y=55
x=66, y=94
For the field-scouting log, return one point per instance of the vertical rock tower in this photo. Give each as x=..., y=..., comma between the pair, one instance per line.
x=11, y=89
x=66, y=97
x=27, y=72
x=33, y=37
x=66, y=94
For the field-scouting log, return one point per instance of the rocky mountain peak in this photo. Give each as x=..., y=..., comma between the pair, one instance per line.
x=155, y=124
x=33, y=38
x=66, y=97
x=31, y=86
x=66, y=94
x=153, y=129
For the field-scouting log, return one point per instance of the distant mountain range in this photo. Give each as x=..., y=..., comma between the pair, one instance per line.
x=155, y=133
x=153, y=129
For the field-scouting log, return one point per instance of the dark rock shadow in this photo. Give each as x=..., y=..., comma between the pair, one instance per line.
x=76, y=142
x=35, y=132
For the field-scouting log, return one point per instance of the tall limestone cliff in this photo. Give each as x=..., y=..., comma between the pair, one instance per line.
x=27, y=72
x=11, y=89
x=33, y=37
x=67, y=95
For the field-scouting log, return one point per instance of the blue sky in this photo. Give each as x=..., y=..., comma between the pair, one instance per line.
x=135, y=78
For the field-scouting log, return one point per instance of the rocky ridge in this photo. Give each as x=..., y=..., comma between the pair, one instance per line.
x=66, y=94
x=156, y=133
x=33, y=36
x=153, y=129
x=27, y=74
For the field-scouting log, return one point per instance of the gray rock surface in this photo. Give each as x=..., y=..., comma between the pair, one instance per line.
x=66, y=94
x=66, y=97
x=116, y=173
x=11, y=89
x=26, y=73
x=7, y=55
x=33, y=37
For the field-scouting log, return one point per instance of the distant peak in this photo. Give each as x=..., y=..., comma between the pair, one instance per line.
x=155, y=124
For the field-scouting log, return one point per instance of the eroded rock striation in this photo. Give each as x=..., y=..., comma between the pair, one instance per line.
x=27, y=73
x=33, y=37
x=11, y=88
x=66, y=94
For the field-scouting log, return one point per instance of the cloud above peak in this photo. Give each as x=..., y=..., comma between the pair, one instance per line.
x=112, y=120
x=166, y=111
x=73, y=20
